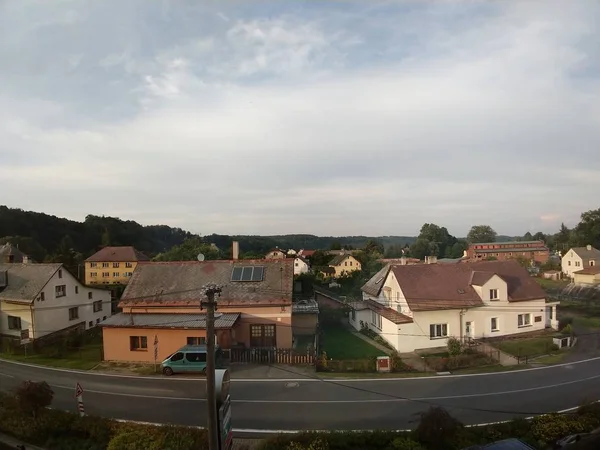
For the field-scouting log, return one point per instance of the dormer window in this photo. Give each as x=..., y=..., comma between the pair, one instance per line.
x=493, y=294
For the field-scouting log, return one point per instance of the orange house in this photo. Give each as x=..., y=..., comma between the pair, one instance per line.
x=162, y=302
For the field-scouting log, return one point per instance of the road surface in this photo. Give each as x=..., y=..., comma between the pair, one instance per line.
x=266, y=406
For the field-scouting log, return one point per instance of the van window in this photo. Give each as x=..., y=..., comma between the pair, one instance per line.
x=196, y=357
x=177, y=357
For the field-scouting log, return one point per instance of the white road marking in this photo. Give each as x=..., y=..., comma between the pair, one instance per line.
x=386, y=400
x=6, y=375
x=305, y=380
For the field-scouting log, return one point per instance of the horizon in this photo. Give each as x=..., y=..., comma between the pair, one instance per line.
x=336, y=119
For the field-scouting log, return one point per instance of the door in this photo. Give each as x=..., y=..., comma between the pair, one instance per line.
x=469, y=333
x=177, y=363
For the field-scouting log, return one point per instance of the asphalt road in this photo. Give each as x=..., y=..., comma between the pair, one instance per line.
x=265, y=406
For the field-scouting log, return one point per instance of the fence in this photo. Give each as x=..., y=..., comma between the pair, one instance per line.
x=270, y=356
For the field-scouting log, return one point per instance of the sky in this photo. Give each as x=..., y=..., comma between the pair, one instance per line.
x=329, y=118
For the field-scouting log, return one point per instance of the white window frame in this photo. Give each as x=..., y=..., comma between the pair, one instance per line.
x=497, y=327
x=60, y=291
x=438, y=331
x=524, y=320
x=376, y=320
x=494, y=294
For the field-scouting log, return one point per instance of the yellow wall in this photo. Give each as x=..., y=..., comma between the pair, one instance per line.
x=586, y=279
x=346, y=267
x=121, y=271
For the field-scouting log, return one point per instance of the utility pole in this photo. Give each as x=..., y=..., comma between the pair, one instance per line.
x=210, y=290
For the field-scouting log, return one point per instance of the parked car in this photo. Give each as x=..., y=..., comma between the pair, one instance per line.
x=190, y=358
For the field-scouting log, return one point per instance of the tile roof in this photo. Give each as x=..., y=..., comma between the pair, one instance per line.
x=448, y=286
x=305, y=307
x=179, y=283
x=25, y=281
x=509, y=243
x=591, y=270
x=584, y=253
x=124, y=320
x=390, y=314
x=375, y=283
x=118, y=254
x=7, y=250
x=306, y=253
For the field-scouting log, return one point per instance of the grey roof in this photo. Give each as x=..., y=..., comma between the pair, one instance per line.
x=179, y=283
x=508, y=243
x=584, y=253
x=198, y=321
x=7, y=250
x=305, y=307
x=450, y=260
x=25, y=281
x=375, y=283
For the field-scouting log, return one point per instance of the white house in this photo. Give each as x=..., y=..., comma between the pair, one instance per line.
x=301, y=265
x=420, y=306
x=40, y=299
x=579, y=258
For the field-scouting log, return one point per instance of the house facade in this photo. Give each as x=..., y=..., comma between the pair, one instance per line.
x=276, y=253
x=589, y=275
x=579, y=258
x=502, y=251
x=162, y=301
x=421, y=306
x=344, y=263
x=112, y=265
x=37, y=300
x=301, y=265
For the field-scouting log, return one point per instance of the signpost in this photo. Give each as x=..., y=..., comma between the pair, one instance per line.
x=25, y=340
x=79, y=397
x=155, y=351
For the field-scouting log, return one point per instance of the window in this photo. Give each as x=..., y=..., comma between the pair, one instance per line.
x=97, y=321
x=93, y=274
x=140, y=344
x=60, y=291
x=350, y=263
x=103, y=317
x=116, y=265
x=195, y=357
x=104, y=265
x=128, y=274
x=569, y=263
x=98, y=306
x=106, y=274
x=42, y=296
x=375, y=319
x=345, y=263
x=524, y=320
x=262, y=336
x=90, y=295
x=296, y=264
x=73, y=313
x=196, y=340
x=93, y=264
x=437, y=331
x=59, y=273
x=77, y=289
x=177, y=357
x=90, y=324
x=592, y=262
x=14, y=323
x=538, y=318
x=248, y=273
x=494, y=324
x=577, y=263
x=493, y=294
x=353, y=313
x=116, y=274
x=128, y=264
x=550, y=313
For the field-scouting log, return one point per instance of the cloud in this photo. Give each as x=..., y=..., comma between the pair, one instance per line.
x=328, y=119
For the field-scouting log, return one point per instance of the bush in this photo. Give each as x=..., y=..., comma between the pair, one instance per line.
x=454, y=347
x=405, y=443
x=563, y=322
x=554, y=348
x=317, y=444
x=568, y=329
x=134, y=440
x=437, y=428
x=550, y=427
x=32, y=397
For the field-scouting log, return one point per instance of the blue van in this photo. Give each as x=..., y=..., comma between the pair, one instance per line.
x=190, y=358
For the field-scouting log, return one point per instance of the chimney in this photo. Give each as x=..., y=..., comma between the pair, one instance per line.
x=430, y=259
x=589, y=247
x=403, y=261
x=235, y=250
x=25, y=259
x=465, y=254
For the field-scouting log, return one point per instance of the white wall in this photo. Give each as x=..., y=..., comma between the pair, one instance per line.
x=52, y=314
x=397, y=299
x=22, y=311
x=363, y=314
x=575, y=262
x=300, y=266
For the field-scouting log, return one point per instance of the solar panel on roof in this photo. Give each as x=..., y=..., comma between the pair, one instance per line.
x=247, y=274
x=236, y=274
x=258, y=273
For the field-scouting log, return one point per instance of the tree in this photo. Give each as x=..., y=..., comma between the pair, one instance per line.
x=32, y=397
x=420, y=249
x=588, y=230
x=441, y=241
x=458, y=249
x=481, y=233
x=189, y=250
x=539, y=236
x=336, y=245
x=373, y=246
x=526, y=237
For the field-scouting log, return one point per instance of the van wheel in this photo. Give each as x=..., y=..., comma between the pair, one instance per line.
x=168, y=371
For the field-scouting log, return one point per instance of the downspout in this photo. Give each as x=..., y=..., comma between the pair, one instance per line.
x=32, y=321
x=461, y=315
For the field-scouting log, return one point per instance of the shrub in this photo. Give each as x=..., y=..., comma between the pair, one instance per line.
x=568, y=329
x=550, y=427
x=554, y=348
x=405, y=443
x=563, y=322
x=135, y=440
x=317, y=444
x=454, y=347
x=33, y=397
x=437, y=428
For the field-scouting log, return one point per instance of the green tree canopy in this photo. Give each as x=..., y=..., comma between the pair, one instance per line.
x=588, y=229
x=481, y=233
x=189, y=250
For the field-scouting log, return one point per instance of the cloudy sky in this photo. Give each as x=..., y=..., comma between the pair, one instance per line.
x=331, y=118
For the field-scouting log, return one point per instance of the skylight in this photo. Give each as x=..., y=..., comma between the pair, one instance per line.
x=248, y=273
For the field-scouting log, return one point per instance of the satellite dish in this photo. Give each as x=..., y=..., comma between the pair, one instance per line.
x=200, y=257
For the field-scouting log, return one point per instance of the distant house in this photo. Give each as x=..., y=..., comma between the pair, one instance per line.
x=162, y=300
x=306, y=253
x=502, y=251
x=402, y=261
x=112, y=265
x=344, y=263
x=10, y=254
x=276, y=253
x=579, y=258
x=552, y=275
x=37, y=300
x=421, y=306
x=291, y=252
x=301, y=265
x=589, y=275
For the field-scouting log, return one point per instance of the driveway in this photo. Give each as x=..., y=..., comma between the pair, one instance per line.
x=270, y=405
x=588, y=343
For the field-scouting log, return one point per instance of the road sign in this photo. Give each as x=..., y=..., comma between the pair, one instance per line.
x=226, y=435
x=78, y=391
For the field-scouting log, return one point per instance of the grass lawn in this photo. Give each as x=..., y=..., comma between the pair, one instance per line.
x=339, y=343
x=526, y=347
x=557, y=358
x=586, y=322
x=85, y=359
x=551, y=284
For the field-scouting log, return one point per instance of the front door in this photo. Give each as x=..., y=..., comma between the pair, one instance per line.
x=469, y=330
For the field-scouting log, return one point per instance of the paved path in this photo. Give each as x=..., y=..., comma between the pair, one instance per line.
x=504, y=359
x=266, y=406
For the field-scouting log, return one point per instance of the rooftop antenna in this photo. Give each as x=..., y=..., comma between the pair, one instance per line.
x=200, y=257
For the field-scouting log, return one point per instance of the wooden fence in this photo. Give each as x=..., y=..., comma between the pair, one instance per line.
x=270, y=356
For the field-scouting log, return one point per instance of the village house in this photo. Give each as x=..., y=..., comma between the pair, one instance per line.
x=112, y=265
x=9, y=254
x=301, y=265
x=37, y=300
x=420, y=306
x=162, y=300
x=343, y=264
x=276, y=253
x=502, y=251
x=306, y=253
x=589, y=275
x=579, y=258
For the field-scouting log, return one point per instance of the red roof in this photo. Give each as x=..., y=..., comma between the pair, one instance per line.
x=592, y=270
x=389, y=313
x=118, y=254
x=307, y=253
